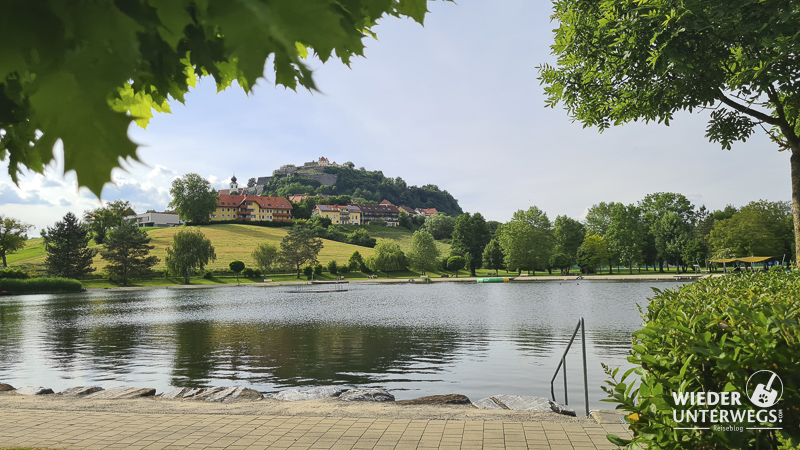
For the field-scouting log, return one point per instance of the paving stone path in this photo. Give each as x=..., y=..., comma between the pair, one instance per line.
x=107, y=430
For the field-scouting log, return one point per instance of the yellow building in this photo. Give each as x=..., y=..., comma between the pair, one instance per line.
x=252, y=208
x=340, y=215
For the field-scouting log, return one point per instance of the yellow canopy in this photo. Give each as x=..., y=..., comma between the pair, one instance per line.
x=754, y=259
x=748, y=259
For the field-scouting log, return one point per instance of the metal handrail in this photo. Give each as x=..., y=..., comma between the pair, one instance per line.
x=563, y=363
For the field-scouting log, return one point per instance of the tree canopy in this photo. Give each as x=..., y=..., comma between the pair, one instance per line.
x=619, y=62
x=100, y=220
x=193, y=198
x=424, y=255
x=300, y=246
x=387, y=257
x=13, y=234
x=82, y=73
x=190, y=249
x=470, y=236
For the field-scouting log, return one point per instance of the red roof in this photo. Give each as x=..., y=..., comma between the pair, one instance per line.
x=263, y=202
x=386, y=202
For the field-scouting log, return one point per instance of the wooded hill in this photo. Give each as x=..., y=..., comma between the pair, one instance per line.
x=371, y=186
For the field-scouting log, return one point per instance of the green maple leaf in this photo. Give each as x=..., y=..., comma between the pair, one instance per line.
x=416, y=9
x=82, y=73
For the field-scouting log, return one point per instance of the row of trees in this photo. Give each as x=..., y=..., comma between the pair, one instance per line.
x=125, y=248
x=660, y=230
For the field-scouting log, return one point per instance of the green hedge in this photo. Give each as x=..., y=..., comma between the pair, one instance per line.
x=710, y=336
x=39, y=285
x=257, y=223
x=13, y=273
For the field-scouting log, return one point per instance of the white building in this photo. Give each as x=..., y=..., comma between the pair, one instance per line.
x=156, y=219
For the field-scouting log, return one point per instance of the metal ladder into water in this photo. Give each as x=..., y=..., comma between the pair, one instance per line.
x=563, y=363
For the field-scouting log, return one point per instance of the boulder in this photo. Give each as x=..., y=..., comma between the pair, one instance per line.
x=6, y=387
x=227, y=394
x=523, y=402
x=317, y=393
x=486, y=403
x=80, y=391
x=449, y=399
x=174, y=393
x=34, y=390
x=122, y=393
x=561, y=409
x=367, y=395
x=206, y=393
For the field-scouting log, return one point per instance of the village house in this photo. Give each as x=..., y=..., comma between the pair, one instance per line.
x=252, y=208
x=386, y=213
x=340, y=214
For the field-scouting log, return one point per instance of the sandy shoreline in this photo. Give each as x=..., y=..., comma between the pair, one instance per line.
x=330, y=407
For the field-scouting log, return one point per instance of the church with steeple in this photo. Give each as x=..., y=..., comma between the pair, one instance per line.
x=235, y=204
x=234, y=188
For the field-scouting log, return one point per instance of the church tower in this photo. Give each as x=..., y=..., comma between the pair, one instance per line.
x=234, y=185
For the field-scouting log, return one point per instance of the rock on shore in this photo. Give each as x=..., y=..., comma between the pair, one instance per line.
x=367, y=395
x=292, y=395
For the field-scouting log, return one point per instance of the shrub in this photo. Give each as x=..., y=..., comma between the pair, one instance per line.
x=45, y=285
x=318, y=269
x=249, y=273
x=208, y=275
x=13, y=273
x=344, y=269
x=711, y=336
x=307, y=271
x=333, y=267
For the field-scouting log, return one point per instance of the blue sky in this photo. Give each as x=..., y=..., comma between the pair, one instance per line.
x=456, y=103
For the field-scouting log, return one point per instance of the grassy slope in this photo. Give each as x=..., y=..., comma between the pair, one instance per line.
x=230, y=241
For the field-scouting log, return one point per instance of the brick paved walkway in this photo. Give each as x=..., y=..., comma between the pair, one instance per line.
x=105, y=430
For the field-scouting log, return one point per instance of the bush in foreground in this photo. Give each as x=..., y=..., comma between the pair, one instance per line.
x=40, y=285
x=711, y=336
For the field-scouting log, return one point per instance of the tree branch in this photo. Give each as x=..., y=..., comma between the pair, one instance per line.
x=749, y=111
x=786, y=128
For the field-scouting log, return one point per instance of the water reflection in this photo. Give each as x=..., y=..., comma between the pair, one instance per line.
x=478, y=340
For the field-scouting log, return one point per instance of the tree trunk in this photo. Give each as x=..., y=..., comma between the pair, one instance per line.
x=4, y=260
x=795, y=164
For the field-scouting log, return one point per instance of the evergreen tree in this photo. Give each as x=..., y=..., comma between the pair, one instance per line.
x=67, y=246
x=126, y=250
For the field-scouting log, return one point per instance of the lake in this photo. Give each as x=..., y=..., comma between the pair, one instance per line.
x=411, y=339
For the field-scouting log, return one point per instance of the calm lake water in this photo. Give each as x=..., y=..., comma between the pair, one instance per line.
x=414, y=340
